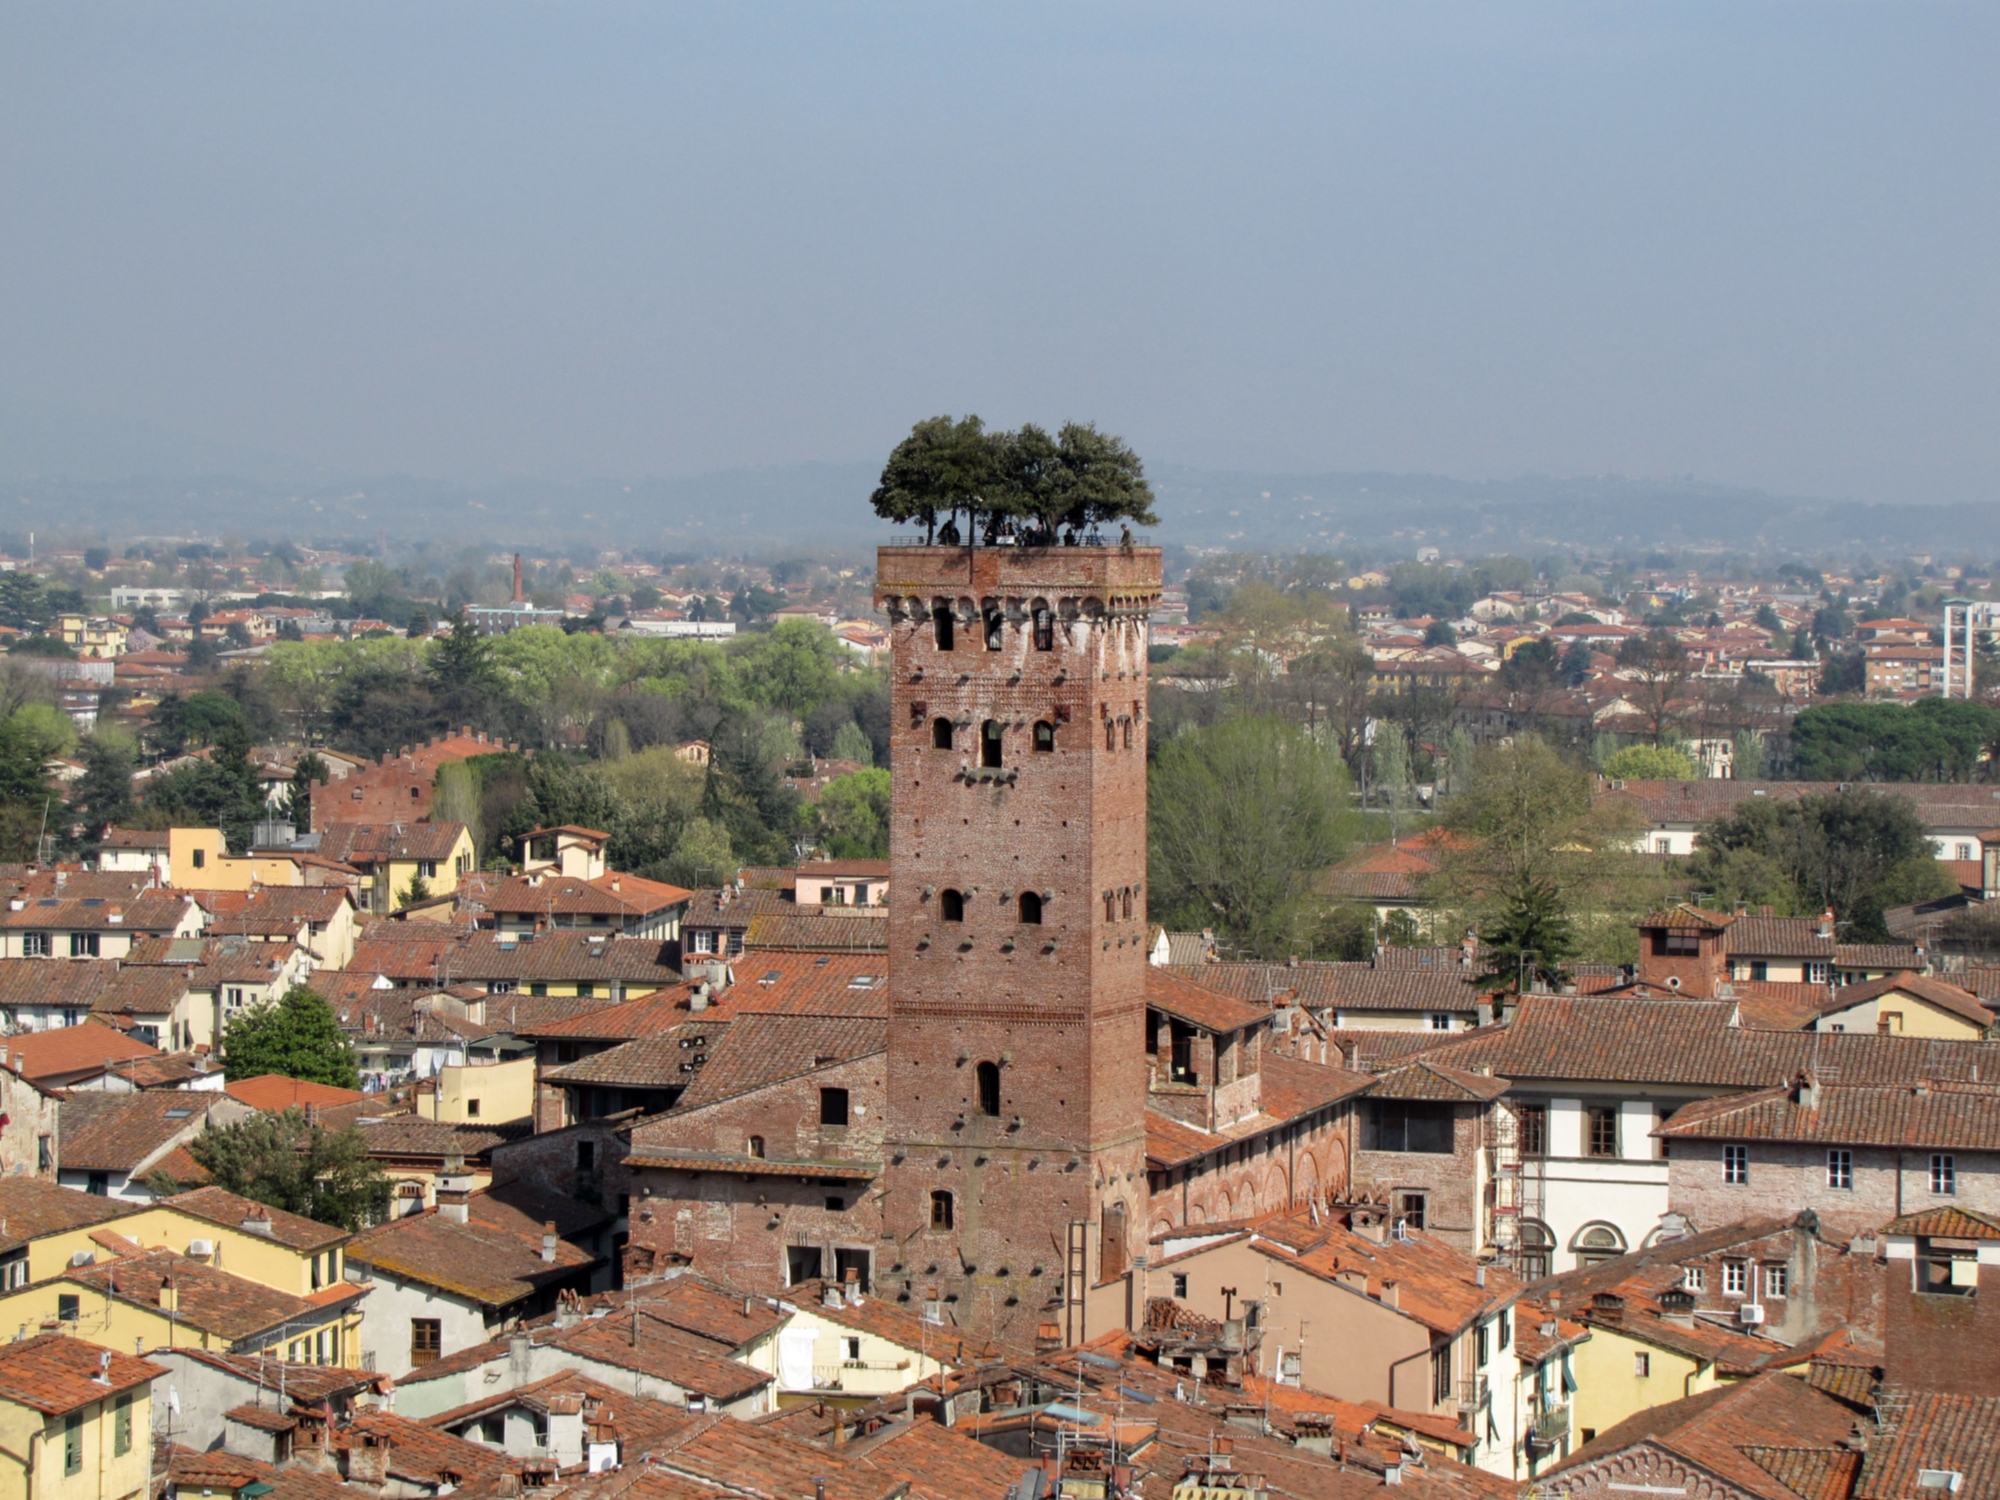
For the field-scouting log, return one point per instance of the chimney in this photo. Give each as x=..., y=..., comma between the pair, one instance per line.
x=368, y=1460
x=549, y=1243
x=258, y=1223
x=852, y=1286
x=454, y=1188
x=830, y=1296
x=1826, y=923
x=170, y=1295
x=1391, y=1295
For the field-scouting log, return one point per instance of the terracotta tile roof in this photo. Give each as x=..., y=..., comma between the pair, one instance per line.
x=310, y=1384
x=1319, y=986
x=1714, y=1430
x=725, y=909
x=411, y=1135
x=1778, y=1006
x=1809, y=1473
x=1949, y=1223
x=615, y=1023
x=134, y=838
x=373, y=843
x=219, y=1469
x=563, y=954
x=1944, y=995
x=1603, y=1037
x=887, y=1320
x=52, y=1058
x=309, y=903
x=493, y=1264
x=1373, y=1050
x=1292, y=1088
x=852, y=930
x=210, y=1301
x=275, y=1092
x=1540, y=1331
x=1212, y=1010
x=34, y=1206
x=104, y=1132
x=619, y=895
x=1639, y=1315
x=522, y=1209
x=263, y=1418
x=806, y=984
x=1928, y=1430
x=692, y=1159
x=1432, y=1080
x=151, y=912
x=421, y=1453
x=1945, y=1117
x=699, y=1306
x=936, y=1463
x=695, y=1364
x=1656, y=1267
x=1777, y=937
x=759, y=1050
x=1436, y=1283
x=1940, y=805
x=294, y=1231
x=54, y=1373
x=1685, y=916
x=1892, y=956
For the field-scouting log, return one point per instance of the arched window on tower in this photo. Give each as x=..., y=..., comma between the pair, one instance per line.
x=1111, y=734
x=1045, y=736
x=756, y=1146
x=1125, y=903
x=989, y=743
x=940, y=733
x=942, y=623
x=1031, y=907
x=941, y=1209
x=1110, y=906
x=996, y=628
x=1127, y=726
x=989, y=1089
x=1045, y=628
x=951, y=906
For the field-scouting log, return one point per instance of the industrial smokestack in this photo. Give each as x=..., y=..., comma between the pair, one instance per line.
x=517, y=578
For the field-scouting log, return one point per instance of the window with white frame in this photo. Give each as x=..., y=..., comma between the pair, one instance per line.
x=1735, y=1166
x=1840, y=1169
x=1944, y=1174
x=1440, y=1021
x=1694, y=1278
x=1777, y=1278
x=1735, y=1278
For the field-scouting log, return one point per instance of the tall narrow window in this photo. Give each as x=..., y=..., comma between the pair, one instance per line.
x=1534, y=1120
x=1031, y=907
x=940, y=733
x=1045, y=737
x=989, y=1089
x=1735, y=1166
x=996, y=629
x=73, y=1443
x=951, y=906
x=1944, y=1175
x=1110, y=734
x=941, y=1209
x=1110, y=906
x=757, y=1147
x=1045, y=628
x=121, y=1426
x=1126, y=726
x=1125, y=903
x=941, y=624
x=989, y=743
x=426, y=1340
x=1840, y=1169
x=1603, y=1126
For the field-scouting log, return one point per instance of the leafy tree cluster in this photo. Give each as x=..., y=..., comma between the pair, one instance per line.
x=1932, y=739
x=285, y=1163
x=1244, y=815
x=29, y=601
x=1855, y=853
x=1066, y=484
x=296, y=1035
x=1650, y=763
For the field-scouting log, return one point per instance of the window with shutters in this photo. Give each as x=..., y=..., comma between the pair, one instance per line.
x=426, y=1340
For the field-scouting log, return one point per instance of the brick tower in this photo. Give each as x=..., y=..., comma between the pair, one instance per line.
x=1015, y=1149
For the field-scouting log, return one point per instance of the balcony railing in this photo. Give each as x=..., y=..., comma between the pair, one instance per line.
x=1473, y=1394
x=1552, y=1424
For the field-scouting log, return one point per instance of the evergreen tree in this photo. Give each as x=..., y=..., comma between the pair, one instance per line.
x=297, y=1035
x=102, y=796
x=1529, y=937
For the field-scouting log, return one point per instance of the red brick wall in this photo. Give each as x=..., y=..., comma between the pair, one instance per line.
x=1058, y=1006
x=1947, y=1344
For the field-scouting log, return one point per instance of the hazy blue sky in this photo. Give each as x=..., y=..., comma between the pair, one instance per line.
x=1751, y=242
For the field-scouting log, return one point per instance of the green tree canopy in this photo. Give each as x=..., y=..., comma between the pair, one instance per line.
x=1528, y=937
x=1932, y=739
x=297, y=1035
x=1650, y=763
x=1854, y=853
x=281, y=1161
x=854, y=815
x=1243, y=815
x=1080, y=478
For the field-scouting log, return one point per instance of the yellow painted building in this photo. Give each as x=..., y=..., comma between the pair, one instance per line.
x=1907, y=1005
x=241, y=1271
x=75, y=1420
x=1619, y=1375
x=482, y=1093
x=199, y=860
x=92, y=636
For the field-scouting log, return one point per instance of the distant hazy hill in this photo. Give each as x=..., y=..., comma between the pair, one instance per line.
x=62, y=474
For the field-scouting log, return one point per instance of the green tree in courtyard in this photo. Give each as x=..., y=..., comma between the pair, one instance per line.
x=297, y=1035
x=285, y=1163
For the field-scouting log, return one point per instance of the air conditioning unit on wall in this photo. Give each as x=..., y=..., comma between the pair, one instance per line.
x=1750, y=1314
